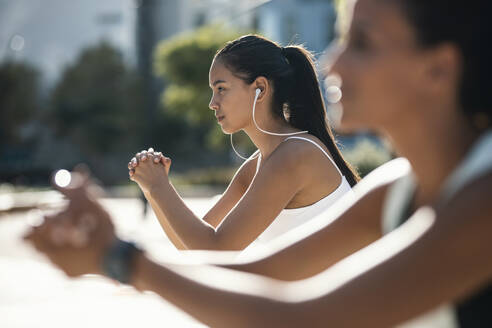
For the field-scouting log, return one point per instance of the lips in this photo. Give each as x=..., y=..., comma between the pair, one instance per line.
x=219, y=118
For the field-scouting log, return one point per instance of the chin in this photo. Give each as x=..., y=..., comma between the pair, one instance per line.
x=226, y=130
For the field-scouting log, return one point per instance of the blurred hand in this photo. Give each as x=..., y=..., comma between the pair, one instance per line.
x=149, y=168
x=76, y=238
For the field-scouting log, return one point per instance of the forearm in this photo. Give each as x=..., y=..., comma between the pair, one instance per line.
x=171, y=234
x=193, y=232
x=226, y=299
x=348, y=226
x=314, y=254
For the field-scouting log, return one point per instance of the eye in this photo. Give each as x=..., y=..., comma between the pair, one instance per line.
x=220, y=89
x=359, y=42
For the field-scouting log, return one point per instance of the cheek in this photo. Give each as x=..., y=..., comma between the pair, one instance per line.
x=375, y=93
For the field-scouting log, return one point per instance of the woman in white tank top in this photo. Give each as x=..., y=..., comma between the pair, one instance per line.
x=271, y=93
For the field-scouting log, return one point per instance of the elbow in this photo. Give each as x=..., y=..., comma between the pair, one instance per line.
x=212, y=240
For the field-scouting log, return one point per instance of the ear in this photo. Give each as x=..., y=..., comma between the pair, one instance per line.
x=443, y=68
x=264, y=85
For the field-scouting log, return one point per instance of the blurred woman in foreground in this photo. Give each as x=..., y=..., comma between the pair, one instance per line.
x=418, y=71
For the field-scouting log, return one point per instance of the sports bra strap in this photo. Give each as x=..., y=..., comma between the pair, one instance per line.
x=324, y=152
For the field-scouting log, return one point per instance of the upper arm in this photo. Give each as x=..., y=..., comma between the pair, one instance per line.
x=236, y=189
x=348, y=226
x=434, y=258
x=277, y=181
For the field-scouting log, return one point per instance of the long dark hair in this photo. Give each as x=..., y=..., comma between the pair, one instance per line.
x=468, y=26
x=296, y=93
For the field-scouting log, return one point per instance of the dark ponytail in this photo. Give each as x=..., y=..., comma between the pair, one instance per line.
x=296, y=93
x=306, y=107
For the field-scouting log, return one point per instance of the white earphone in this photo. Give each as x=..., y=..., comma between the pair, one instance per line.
x=258, y=91
x=257, y=94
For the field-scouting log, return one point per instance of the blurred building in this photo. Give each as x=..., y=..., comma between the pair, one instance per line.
x=51, y=33
x=310, y=22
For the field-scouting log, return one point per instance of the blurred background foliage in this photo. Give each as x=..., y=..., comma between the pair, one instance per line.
x=96, y=103
x=366, y=155
x=94, y=113
x=19, y=97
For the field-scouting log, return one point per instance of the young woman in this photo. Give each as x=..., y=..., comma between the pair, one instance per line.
x=420, y=74
x=272, y=94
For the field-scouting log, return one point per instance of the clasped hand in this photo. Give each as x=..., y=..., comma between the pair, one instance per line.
x=149, y=169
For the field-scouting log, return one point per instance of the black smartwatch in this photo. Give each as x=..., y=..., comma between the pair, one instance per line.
x=117, y=262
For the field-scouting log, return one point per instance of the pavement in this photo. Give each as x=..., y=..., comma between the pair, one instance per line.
x=33, y=293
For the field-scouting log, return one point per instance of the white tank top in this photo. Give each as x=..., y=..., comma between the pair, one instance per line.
x=289, y=219
x=477, y=162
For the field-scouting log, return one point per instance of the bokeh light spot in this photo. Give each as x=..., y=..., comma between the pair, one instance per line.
x=62, y=178
x=17, y=43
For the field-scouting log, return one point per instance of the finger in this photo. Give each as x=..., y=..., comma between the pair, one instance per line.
x=134, y=162
x=130, y=165
x=157, y=159
x=88, y=222
x=131, y=172
x=78, y=238
x=83, y=170
x=151, y=150
x=144, y=155
x=58, y=235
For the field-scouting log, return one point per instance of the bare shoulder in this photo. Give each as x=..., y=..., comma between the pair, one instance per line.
x=471, y=204
x=244, y=175
x=301, y=154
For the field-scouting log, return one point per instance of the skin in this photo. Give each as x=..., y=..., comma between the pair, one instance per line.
x=403, y=262
x=252, y=200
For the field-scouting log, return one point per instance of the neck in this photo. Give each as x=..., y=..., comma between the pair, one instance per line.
x=265, y=142
x=434, y=150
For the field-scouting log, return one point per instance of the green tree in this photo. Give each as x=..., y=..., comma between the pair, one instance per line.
x=184, y=62
x=97, y=102
x=19, y=100
x=97, y=108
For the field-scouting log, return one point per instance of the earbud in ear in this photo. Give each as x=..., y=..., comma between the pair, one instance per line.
x=258, y=91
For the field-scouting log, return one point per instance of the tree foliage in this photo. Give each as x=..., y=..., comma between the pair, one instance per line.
x=97, y=101
x=19, y=100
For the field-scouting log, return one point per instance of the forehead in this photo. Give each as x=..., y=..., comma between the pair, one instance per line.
x=218, y=71
x=384, y=19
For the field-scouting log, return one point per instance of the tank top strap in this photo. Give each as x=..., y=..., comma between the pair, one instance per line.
x=258, y=161
x=320, y=148
x=477, y=162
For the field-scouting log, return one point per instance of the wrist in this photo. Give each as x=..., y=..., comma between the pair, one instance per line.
x=157, y=189
x=118, y=261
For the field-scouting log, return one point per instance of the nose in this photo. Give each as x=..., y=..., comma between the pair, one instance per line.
x=330, y=61
x=213, y=104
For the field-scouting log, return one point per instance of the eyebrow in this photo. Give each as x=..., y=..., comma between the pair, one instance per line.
x=217, y=82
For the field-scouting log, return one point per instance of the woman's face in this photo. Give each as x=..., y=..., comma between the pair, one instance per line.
x=232, y=99
x=380, y=68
